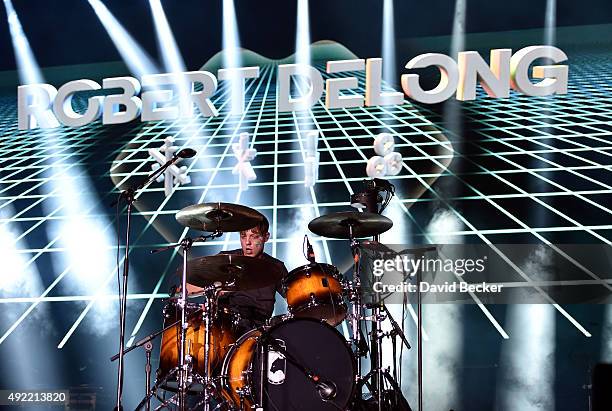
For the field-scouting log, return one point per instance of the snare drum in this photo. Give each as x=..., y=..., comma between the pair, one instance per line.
x=315, y=291
x=315, y=346
x=221, y=337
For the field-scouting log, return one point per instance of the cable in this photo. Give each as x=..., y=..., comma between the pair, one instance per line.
x=117, y=227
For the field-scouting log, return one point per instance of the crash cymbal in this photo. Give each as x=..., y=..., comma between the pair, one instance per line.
x=234, y=272
x=219, y=216
x=337, y=225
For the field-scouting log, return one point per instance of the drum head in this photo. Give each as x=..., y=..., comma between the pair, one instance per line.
x=318, y=348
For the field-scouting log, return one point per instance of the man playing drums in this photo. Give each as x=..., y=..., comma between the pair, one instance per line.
x=254, y=306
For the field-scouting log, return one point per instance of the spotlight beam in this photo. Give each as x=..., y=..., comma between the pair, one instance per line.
x=171, y=56
x=134, y=56
x=388, y=43
x=27, y=66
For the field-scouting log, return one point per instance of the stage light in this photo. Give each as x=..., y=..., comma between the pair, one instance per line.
x=231, y=36
x=302, y=34
x=388, y=43
x=68, y=193
x=136, y=59
x=458, y=36
x=87, y=245
x=231, y=56
x=550, y=24
x=27, y=66
x=295, y=232
x=173, y=61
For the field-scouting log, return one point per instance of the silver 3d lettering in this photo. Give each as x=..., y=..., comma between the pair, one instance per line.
x=161, y=98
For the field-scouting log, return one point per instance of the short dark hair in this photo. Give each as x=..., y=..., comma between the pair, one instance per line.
x=262, y=226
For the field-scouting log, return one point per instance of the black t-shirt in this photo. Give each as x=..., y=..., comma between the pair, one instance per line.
x=256, y=305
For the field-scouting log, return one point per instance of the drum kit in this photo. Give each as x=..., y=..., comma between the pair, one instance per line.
x=296, y=361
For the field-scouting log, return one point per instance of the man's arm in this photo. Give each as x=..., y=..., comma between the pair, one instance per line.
x=279, y=286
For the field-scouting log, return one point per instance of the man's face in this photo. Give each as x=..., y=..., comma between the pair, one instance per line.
x=252, y=242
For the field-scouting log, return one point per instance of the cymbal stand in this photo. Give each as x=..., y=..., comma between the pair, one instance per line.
x=354, y=287
x=378, y=374
x=148, y=348
x=209, y=302
x=183, y=366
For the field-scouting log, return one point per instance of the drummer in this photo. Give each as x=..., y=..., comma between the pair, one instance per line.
x=254, y=306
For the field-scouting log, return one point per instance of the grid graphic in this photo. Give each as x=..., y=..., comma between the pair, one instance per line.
x=521, y=170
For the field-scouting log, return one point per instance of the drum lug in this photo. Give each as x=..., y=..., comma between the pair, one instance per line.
x=244, y=392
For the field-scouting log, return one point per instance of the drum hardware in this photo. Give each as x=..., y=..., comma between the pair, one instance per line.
x=352, y=226
x=184, y=370
x=129, y=195
x=316, y=296
x=147, y=344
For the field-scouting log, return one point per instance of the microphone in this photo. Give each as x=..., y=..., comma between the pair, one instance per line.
x=310, y=252
x=186, y=153
x=380, y=184
x=327, y=390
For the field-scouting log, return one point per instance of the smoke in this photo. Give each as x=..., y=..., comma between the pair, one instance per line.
x=442, y=356
x=295, y=230
x=442, y=352
x=527, y=369
x=537, y=267
x=441, y=226
x=19, y=278
x=606, y=337
x=527, y=362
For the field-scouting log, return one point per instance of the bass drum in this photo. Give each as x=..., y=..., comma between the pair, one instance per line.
x=316, y=346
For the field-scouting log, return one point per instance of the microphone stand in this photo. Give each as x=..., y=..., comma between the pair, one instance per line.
x=129, y=196
x=396, y=328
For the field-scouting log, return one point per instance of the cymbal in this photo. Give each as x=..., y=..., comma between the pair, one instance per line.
x=219, y=216
x=234, y=272
x=337, y=225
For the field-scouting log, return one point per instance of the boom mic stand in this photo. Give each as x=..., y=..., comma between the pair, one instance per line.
x=129, y=196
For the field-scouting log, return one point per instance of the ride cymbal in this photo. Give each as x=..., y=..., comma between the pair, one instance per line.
x=342, y=224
